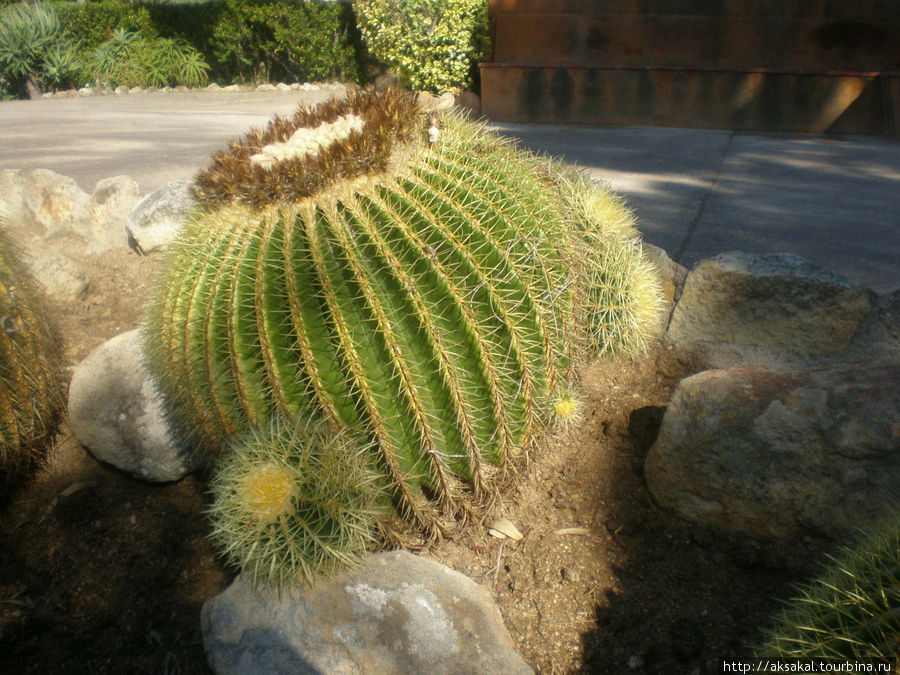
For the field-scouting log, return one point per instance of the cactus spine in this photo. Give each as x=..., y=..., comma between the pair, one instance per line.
x=31, y=397
x=852, y=611
x=343, y=268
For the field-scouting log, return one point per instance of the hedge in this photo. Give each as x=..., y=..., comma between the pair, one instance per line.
x=242, y=40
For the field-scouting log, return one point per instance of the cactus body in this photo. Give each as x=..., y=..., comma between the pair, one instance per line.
x=31, y=399
x=432, y=295
x=852, y=611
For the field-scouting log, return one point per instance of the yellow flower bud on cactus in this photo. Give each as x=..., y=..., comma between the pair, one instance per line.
x=567, y=410
x=267, y=490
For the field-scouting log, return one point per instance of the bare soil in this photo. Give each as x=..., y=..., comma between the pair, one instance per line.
x=102, y=573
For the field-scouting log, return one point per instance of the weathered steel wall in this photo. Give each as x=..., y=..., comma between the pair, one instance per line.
x=801, y=65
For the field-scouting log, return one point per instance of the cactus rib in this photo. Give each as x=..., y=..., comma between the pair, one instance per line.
x=448, y=349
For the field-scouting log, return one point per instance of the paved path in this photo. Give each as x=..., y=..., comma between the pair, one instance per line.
x=834, y=201
x=154, y=138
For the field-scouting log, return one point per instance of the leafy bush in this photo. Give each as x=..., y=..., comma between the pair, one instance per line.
x=62, y=64
x=242, y=40
x=272, y=40
x=34, y=53
x=156, y=44
x=133, y=60
x=93, y=23
x=433, y=44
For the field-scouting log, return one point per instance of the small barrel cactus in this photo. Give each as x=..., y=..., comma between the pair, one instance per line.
x=31, y=381
x=295, y=501
x=852, y=611
x=418, y=280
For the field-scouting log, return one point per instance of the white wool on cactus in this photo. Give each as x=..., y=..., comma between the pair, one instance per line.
x=307, y=142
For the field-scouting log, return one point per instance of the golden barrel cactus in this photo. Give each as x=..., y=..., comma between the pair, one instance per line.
x=414, y=278
x=31, y=382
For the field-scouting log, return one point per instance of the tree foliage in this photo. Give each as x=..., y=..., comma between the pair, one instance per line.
x=434, y=45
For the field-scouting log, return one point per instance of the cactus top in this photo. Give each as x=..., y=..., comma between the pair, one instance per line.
x=296, y=157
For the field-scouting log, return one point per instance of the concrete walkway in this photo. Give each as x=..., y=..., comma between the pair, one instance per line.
x=834, y=201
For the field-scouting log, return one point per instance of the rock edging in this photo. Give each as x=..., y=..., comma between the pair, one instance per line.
x=56, y=223
x=397, y=613
x=122, y=90
x=794, y=426
x=777, y=455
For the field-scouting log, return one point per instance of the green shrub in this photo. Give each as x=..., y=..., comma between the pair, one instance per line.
x=279, y=40
x=34, y=52
x=62, y=65
x=242, y=40
x=93, y=23
x=133, y=60
x=434, y=45
x=852, y=611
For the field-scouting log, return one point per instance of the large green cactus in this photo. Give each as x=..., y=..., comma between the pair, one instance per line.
x=852, y=610
x=31, y=382
x=345, y=265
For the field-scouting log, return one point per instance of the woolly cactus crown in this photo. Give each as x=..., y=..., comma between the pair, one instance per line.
x=378, y=128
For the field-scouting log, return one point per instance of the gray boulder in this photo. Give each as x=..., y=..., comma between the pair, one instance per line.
x=158, y=217
x=13, y=212
x=397, y=613
x=116, y=412
x=774, y=309
x=878, y=338
x=60, y=277
x=56, y=203
x=112, y=201
x=775, y=454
